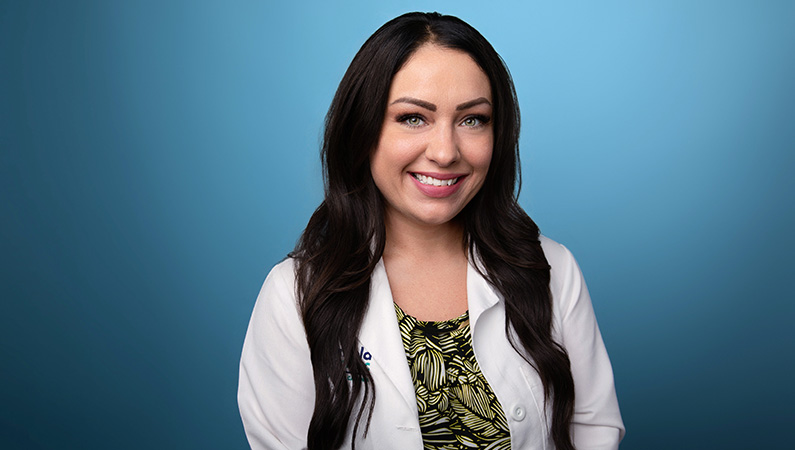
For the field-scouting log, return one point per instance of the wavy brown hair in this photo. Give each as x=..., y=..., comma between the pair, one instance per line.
x=345, y=237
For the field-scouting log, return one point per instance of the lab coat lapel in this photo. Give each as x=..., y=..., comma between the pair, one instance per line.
x=480, y=294
x=380, y=337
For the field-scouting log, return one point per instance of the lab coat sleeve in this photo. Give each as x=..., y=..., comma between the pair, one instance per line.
x=597, y=423
x=276, y=388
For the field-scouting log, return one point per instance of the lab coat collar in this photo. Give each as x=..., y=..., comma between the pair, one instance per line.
x=481, y=295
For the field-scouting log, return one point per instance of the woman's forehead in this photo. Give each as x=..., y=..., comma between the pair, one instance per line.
x=440, y=73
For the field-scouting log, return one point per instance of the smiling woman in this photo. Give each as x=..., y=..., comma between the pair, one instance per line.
x=421, y=308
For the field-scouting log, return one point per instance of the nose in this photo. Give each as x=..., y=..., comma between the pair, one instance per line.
x=442, y=147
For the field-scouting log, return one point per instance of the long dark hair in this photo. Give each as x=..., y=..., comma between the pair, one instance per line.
x=344, y=239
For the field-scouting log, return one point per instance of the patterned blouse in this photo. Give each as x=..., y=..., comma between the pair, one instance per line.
x=457, y=408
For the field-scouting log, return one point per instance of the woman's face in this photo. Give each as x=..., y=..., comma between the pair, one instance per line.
x=437, y=137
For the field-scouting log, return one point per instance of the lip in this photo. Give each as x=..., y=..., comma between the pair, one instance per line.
x=438, y=191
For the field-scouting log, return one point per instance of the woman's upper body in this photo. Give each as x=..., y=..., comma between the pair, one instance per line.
x=276, y=392
x=420, y=157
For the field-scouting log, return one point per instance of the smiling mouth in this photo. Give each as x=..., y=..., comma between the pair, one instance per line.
x=430, y=181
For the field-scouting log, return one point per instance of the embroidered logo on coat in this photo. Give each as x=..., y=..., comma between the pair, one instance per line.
x=366, y=358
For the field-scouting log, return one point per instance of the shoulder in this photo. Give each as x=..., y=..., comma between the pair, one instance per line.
x=566, y=281
x=281, y=278
x=276, y=323
x=560, y=259
x=557, y=254
x=277, y=298
x=282, y=272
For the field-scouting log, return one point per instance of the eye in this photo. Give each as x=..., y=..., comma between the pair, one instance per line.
x=411, y=120
x=475, y=121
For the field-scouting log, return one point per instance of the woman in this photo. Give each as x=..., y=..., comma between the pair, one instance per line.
x=421, y=307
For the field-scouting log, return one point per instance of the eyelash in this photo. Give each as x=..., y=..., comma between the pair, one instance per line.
x=483, y=120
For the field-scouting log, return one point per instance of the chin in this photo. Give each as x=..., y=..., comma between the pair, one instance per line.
x=437, y=219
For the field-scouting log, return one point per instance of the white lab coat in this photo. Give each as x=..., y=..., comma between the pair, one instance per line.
x=276, y=390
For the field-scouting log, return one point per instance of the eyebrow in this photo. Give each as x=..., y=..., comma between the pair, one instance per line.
x=431, y=107
x=471, y=103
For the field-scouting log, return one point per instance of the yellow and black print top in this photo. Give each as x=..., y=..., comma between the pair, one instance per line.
x=458, y=409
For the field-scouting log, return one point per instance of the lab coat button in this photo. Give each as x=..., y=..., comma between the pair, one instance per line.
x=518, y=414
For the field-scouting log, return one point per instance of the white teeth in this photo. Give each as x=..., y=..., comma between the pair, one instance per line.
x=435, y=181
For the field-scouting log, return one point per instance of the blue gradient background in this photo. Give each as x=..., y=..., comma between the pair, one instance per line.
x=157, y=158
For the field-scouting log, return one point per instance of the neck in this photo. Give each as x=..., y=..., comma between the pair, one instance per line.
x=421, y=240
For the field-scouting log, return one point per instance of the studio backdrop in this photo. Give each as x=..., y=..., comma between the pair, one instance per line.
x=157, y=158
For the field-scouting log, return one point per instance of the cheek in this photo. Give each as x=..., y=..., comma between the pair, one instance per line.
x=394, y=154
x=377, y=168
x=480, y=158
x=485, y=161
x=385, y=167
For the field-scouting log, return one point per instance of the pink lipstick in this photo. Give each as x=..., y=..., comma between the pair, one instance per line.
x=437, y=185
